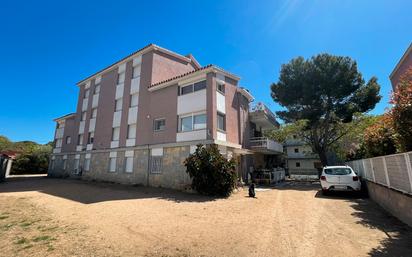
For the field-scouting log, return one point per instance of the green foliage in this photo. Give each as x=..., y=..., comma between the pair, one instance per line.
x=402, y=111
x=32, y=158
x=286, y=131
x=211, y=173
x=325, y=91
x=349, y=145
x=379, y=139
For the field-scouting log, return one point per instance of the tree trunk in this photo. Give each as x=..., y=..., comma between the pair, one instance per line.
x=323, y=158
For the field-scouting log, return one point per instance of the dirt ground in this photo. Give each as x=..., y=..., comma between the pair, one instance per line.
x=53, y=217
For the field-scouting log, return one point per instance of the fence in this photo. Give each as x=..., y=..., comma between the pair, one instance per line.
x=393, y=171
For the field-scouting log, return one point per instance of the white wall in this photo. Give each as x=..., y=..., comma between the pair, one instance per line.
x=193, y=102
x=191, y=135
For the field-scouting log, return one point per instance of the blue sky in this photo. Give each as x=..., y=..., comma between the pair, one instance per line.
x=47, y=46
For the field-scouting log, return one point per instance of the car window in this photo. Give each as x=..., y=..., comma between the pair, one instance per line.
x=338, y=171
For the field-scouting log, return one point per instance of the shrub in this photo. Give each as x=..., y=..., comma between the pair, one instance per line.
x=379, y=138
x=211, y=173
x=402, y=111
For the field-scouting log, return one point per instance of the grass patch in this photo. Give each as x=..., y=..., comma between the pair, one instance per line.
x=3, y=217
x=21, y=241
x=7, y=226
x=42, y=238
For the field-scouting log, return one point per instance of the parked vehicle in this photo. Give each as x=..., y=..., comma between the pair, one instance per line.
x=339, y=178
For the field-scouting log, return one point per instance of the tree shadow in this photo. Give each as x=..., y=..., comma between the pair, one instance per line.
x=88, y=192
x=371, y=215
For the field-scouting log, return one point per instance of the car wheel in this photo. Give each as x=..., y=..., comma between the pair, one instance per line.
x=325, y=192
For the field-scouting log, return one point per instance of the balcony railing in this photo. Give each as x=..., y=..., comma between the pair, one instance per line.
x=260, y=110
x=263, y=143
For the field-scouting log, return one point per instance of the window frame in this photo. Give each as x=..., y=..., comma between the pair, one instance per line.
x=80, y=138
x=224, y=121
x=157, y=120
x=86, y=164
x=156, y=162
x=110, y=164
x=125, y=164
x=137, y=101
x=94, y=113
x=133, y=71
x=223, y=90
x=120, y=100
x=192, y=116
x=128, y=131
x=95, y=91
x=68, y=140
x=84, y=116
x=297, y=164
x=121, y=75
x=90, y=138
x=86, y=93
x=118, y=134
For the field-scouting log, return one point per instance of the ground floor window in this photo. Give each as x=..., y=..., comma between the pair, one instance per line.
x=112, y=164
x=87, y=164
x=156, y=164
x=129, y=164
x=297, y=164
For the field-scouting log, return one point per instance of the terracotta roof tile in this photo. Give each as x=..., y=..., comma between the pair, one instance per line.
x=181, y=75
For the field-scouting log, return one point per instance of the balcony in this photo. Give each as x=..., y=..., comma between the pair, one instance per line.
x=265, y=145
x=262, y=116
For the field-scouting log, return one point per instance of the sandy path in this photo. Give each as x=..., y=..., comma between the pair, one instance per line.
x=291, y=220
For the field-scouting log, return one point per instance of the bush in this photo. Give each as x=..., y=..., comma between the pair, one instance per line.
x=31, y=163
x=402, y=111
x=212, y=174
x=379, y=138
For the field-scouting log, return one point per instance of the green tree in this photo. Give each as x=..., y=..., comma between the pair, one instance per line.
x=325, y=91
x=379, y=138
x=402, y=111
x=211, y=172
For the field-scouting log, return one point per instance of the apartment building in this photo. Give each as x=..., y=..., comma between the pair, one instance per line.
x=138, y=119
x=301, y=162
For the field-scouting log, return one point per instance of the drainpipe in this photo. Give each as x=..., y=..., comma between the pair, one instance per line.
x=148, y=164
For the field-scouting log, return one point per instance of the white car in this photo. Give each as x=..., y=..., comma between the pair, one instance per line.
x=339, y=178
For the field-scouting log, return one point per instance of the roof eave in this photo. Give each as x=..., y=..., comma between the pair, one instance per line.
x=407, y=52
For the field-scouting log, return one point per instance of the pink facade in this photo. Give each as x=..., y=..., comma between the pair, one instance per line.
x=157, y=66
x=404, y=63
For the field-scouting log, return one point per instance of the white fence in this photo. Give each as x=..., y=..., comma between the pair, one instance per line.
x=393, y=171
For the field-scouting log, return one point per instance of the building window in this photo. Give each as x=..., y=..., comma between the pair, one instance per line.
x=186, y=123
x=294, y=136
x=134, y=100
x=94, y=113
x=120, y=78
x=76, y=164
x=68, y=140
x=296, y=150
x=96, y=89
x=156, y=164
x=128, y=164
x=136, y=71
x=83, y=116
x=131, y=131
x=118, y=104
x=297, y=164
x=87, y=164
x=64, y=164
x=112, y=164
x=192, y=88
x=116, y=134
x=186, y=90
x=200, y=85
x=221, y=122
x=86, y=93
x=221, y=88
x=199, y=121
x=192, y=122
x=159, y=124
x=80, y=139
x=90, y=138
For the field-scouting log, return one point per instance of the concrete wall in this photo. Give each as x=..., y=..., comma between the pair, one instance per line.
x=173, y=173
x=396, y=203
x=307, y=167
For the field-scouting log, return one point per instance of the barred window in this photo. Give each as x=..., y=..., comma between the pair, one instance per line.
x=157, y=164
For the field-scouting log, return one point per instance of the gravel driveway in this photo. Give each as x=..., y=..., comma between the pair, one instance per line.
x=76, y=218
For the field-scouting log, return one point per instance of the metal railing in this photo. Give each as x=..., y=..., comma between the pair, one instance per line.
x=266, y=143
x=261, y=107
x=393, y=171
